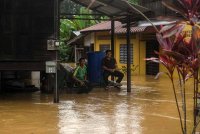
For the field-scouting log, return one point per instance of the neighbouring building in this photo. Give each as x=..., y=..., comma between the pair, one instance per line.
x=25, y=27
x=143, y=44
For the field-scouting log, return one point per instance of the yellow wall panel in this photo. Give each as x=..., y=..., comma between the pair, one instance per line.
x=139, y=49
x=98, y=42
x=142, y=65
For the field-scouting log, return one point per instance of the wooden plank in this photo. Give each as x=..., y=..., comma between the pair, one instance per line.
x=24, y=30
x=26, y=66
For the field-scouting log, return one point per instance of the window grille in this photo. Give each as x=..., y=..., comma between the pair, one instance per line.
x=104, y=47
x=123, y=53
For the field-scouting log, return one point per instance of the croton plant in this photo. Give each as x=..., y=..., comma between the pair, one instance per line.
x=181, y=51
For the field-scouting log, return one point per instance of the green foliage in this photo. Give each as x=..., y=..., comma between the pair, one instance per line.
x=134, y=1
x=68, y=6
x=80, y=24
x=68, y=26
x=133, y=68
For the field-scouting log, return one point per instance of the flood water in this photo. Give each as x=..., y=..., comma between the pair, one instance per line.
x=149, y=109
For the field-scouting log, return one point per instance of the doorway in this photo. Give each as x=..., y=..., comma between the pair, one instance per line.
x=152, y=68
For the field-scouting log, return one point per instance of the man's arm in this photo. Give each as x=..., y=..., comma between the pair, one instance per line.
x=106, y=68
x=85, y=78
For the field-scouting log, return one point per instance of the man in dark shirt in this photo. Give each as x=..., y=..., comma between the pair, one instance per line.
x=109, y=65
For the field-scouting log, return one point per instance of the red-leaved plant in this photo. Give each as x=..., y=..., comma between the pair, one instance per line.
x=180, y=52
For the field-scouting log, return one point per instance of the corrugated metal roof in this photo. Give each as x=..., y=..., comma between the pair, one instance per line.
x=111, y=7
x=104, y=26
x=120, y=30
x=156, y=23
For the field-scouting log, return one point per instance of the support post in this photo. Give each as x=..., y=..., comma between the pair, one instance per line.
x=56, y=34
x=113, y=37
x=128, y=55
x=0, y=82
x=113, y=40
x=75, y=57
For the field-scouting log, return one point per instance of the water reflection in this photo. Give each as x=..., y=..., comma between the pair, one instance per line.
x=100, y=114
x=149, y=109
x=127, y=119
x=27, y=113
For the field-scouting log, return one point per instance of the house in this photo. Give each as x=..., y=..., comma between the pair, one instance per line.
x=25, y=27
x=143, y=39
x=143, y=44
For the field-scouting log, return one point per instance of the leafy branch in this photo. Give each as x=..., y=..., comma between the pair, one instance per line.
x=133, y=68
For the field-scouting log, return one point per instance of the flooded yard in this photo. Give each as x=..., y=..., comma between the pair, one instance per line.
x=149, y=109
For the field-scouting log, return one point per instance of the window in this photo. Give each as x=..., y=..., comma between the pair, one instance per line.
x=104, y=47
x=123, y=53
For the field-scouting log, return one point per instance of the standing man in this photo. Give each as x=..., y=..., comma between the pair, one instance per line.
x=109, y=65
x=80, y=77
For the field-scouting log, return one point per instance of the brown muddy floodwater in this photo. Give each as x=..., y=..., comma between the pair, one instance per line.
x=149, y=109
